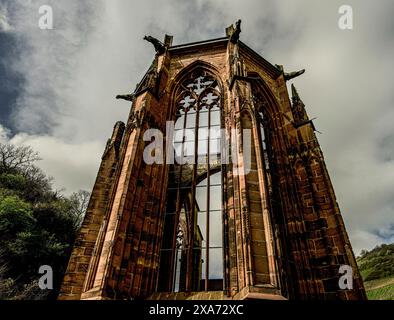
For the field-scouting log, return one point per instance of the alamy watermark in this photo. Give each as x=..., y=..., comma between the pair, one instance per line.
x=214, y=146
x=46, y=281
x=346, y=278
x=45, y=22
x=345, y=21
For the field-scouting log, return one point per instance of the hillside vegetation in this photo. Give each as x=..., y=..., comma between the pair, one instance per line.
x=38, y=225
x=377, y=269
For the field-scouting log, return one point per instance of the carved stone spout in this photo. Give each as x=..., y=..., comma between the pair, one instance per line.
x=295, y=74
x=127, y=97
x=159, y=46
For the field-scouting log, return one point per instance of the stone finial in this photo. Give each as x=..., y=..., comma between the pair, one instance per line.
x=294, y=90
x=298, y=106
x=168, y=40
x=234, y=32
x=294, y=94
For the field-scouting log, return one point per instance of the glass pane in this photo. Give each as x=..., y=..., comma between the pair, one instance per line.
x=188, y=148
x=214, y=146
x=202, y=184
x=201, y=222
x=215, y=202
x=178, y=135
x=178, y=148
x=203, y=133
x=215, y=132
x=189, y=134
x=201, y=198
x=215, y=117
x=179, y=122
x=202, y=147
x=216, y=179
x=177, y=267
x=203, y=120
x=215, y=229
x=263, y=137
x=216, y=263
x=191, y=120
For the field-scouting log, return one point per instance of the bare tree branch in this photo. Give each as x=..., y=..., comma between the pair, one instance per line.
x=80, y=202
x=17, y=158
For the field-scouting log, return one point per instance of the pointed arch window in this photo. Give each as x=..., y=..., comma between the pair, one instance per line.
x=191, y=256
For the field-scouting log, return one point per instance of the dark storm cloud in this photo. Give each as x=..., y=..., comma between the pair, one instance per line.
x=11, y=83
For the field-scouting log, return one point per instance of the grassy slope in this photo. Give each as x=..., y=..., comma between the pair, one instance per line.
x=377, y=270
x=381, y=289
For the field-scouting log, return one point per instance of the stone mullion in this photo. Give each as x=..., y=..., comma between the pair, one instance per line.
x=189, y=266
x=207, y=223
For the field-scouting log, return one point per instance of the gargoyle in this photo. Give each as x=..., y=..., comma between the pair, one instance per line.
x=236, y=32
x=159, y=46
x=292, y=75
x=127, y=97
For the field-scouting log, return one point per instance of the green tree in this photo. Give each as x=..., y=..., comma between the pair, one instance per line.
x=37, y=224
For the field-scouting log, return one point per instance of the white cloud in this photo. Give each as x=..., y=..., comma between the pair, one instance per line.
x=73, y=165
x=4, y=132
x=96, y=51
x=4, y=21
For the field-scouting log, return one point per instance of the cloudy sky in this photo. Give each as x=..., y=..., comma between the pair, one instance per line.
x=57, y=86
